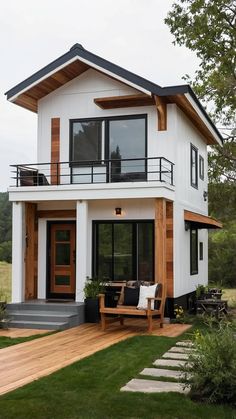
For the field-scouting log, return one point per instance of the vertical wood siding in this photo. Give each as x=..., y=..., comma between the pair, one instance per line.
x=55, y=151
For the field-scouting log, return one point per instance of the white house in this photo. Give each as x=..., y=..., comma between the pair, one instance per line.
x=119, y=189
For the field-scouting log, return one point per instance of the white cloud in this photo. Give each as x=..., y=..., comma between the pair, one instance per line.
x=130, y=33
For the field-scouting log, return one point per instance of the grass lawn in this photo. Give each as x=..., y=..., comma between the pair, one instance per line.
x=5, y=281
x=90, y=388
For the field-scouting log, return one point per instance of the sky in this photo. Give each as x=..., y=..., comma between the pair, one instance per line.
x=130, y=33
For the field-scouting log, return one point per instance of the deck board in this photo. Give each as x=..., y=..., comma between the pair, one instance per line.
x=23, y=363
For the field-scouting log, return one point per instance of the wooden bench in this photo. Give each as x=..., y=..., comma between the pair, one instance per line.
x=122, y=310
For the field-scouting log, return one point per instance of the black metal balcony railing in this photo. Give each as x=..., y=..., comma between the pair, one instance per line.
x=149, y=169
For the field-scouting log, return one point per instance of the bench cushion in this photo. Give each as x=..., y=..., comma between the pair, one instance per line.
x=131, y=296
x=146, y=292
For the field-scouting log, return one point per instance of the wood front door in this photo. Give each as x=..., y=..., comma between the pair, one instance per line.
x=62, y=260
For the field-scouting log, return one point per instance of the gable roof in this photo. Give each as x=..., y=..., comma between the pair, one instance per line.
x=78, y=60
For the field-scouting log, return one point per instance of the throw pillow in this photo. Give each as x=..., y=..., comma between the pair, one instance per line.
x=131, y=296
x=143, y=294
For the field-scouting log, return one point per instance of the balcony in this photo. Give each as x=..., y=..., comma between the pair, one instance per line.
x=151, y=169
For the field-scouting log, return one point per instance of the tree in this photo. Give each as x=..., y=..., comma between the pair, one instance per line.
x=208, y=27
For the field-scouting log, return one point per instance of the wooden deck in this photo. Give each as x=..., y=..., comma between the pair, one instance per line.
x=26, y=362
x=22, y=333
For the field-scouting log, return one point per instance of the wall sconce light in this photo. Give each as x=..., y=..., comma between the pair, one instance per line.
x=205, y=195
x=118, y=211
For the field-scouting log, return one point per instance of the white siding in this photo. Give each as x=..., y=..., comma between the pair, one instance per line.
x=76, y=100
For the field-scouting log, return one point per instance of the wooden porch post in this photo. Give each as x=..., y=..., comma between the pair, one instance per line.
x=160, y=242
x=169, y=249
x=164, y=259
x=31, y=251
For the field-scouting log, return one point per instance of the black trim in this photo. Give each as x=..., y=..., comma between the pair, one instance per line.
x=193, y=148
x=95, y=241
x=201, y=167
x=201, y=251
x=48, y=254
x=192, y=270
x=78, y=51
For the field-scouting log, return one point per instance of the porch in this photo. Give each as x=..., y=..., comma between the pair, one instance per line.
x=54, y=250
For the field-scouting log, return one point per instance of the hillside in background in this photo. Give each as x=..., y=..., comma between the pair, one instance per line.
x=5, y=227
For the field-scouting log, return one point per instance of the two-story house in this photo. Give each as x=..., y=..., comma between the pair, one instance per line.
x=119, y=189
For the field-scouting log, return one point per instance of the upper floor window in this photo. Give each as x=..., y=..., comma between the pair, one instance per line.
x=194, y=166
x=201, y=167
x=86, y=140
x=122, y=139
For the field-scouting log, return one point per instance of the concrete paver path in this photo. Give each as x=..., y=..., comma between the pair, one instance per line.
x=177, y=363
x=175, y=355
x=153, y=386
x=161, y=372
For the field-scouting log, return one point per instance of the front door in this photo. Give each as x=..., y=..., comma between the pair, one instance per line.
x=62, y=260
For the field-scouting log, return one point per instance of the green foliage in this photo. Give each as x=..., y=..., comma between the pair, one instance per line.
x=93, y=287
x=222, y=201
x=5, y=228
x=222, y=243
x=4, y=318
x=213, y=367
x=200, y=289
x=222, y=261
x=5, y=251
x=208, y=28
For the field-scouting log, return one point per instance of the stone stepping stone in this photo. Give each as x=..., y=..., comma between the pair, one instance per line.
x=170, y=363
x=161, y=372
x=175, y=355
x=180, y=349
x=153, y=386
x=185, y=343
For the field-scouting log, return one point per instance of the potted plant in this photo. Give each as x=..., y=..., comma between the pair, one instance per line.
x=93, y=287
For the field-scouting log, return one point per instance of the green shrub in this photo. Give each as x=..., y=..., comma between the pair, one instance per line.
x=213, y=367
x=5, y=251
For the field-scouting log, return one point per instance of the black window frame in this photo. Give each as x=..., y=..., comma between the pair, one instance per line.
x=106, y=120
x=134, y=245
x=193, y=149
x=201, y=167
x=201, y=251
x=192, y=270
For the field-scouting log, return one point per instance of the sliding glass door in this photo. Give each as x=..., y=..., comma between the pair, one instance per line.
x=127, y=140
x=108, y=149
x=123, y=250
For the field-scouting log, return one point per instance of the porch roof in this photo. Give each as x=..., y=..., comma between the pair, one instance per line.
x=200, y=221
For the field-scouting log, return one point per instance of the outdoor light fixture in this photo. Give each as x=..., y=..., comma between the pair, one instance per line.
x=205, y=194
x=118, y=211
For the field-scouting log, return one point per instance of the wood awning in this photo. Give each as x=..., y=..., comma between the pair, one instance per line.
x=196, y=220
